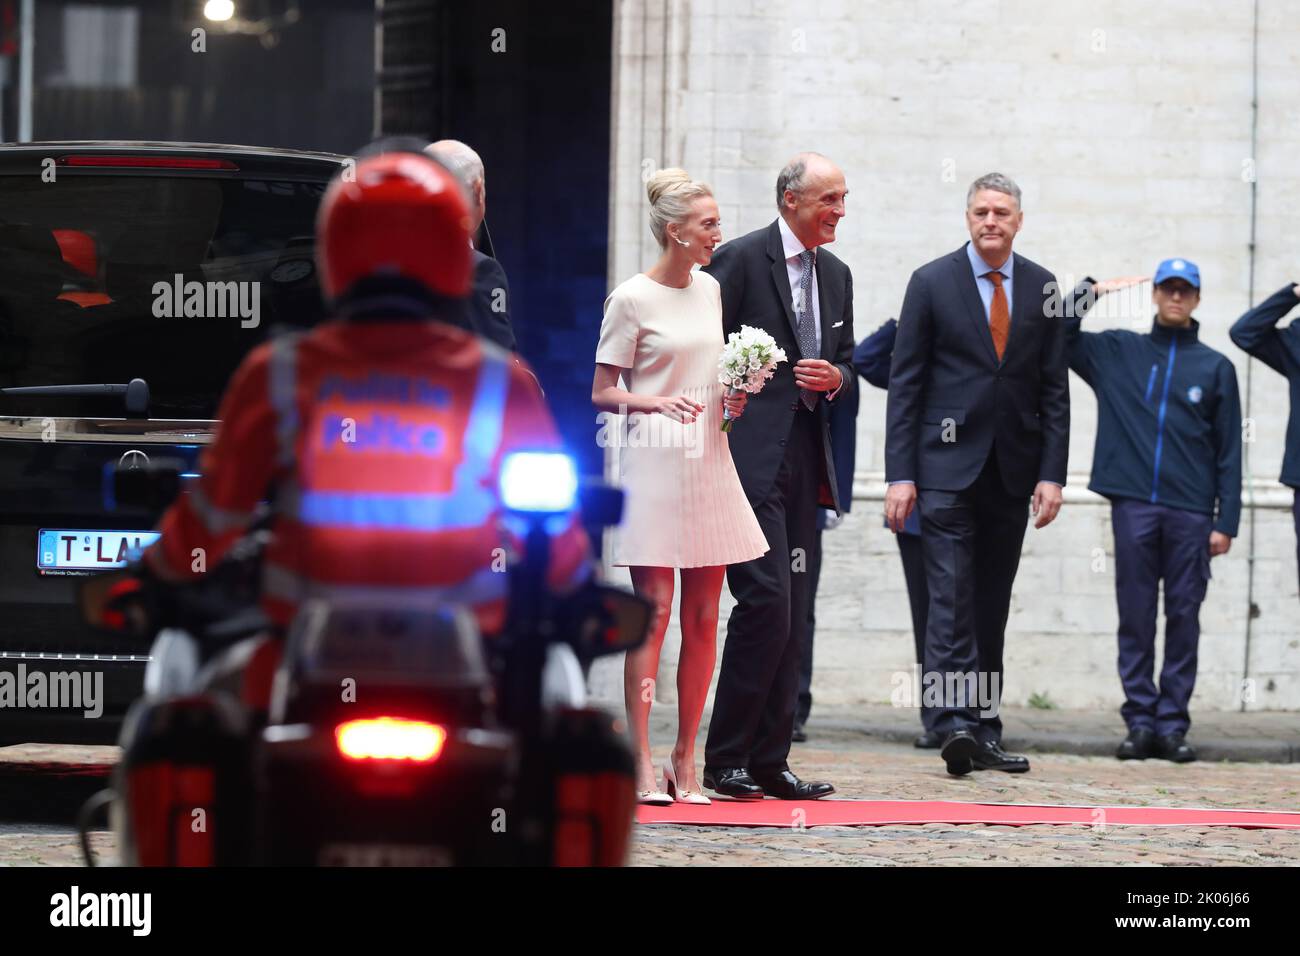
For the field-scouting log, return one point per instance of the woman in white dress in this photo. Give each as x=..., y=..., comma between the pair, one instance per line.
x=685, y=510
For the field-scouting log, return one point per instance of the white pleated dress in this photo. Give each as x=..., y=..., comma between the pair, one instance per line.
x=684, y=506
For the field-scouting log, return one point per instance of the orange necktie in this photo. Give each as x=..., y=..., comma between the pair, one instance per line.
x=999, y=316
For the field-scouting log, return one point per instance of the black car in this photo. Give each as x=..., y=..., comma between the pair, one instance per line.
x=134, y=277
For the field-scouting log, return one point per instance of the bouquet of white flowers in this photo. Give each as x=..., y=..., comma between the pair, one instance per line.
x=748, y=360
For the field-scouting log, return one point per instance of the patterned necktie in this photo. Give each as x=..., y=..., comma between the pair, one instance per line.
x=999, y=315
x=805, y=322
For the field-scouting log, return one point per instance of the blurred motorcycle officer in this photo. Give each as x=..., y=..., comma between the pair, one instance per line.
x=377, y=436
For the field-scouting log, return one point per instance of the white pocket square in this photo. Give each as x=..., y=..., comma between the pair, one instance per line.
x=838, y=324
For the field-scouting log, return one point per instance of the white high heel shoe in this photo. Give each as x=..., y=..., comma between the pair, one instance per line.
x=682, y=796
x=654, y=798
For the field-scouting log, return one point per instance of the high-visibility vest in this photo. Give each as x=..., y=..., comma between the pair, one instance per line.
x=383, y=466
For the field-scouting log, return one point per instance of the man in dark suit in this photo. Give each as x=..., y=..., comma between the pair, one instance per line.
x=780, y=280
x=978, y=421
x=489, y=304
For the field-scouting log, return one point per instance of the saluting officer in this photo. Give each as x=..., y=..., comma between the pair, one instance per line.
x=1257, y=333
x=1168, y=456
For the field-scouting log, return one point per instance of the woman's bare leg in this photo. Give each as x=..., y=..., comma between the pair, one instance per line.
x=701, y=588
x=641, y=668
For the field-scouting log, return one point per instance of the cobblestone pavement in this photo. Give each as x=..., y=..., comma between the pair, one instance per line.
x=1272, y=736
x=41, y=844
x=867, y=768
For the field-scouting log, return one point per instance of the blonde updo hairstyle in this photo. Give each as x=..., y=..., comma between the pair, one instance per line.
x=671, y=192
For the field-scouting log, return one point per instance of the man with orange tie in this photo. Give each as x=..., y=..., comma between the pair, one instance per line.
x=978, y=426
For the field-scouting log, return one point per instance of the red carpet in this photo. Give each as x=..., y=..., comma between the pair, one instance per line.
x=872, y=813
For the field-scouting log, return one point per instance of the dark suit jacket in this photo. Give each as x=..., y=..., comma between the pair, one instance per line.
x=486, y=321
x=756, y=291
x=872, y=358
x=945, y=372
x=871, y=361
x=873, y=354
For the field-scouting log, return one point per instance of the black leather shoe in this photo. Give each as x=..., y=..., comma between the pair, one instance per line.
x=734, y=782
x=958, y=750
x=929, y=740
x=798, y=735
x=1138, y=745
x=1174, y=747
x=784, y=785
x=991, y=756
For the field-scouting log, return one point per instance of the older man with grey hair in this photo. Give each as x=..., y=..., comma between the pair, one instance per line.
x=977, y=433
x=489, y=305
x=781, y=279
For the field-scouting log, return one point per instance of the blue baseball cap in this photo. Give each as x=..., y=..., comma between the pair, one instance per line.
x=1183, y=269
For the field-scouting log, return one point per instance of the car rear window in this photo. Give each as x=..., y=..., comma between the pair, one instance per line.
x=170, y=279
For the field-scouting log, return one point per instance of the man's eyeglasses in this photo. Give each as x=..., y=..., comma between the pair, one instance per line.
x=1176, y=289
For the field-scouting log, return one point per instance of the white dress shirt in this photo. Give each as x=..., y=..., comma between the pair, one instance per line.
x=792, y=248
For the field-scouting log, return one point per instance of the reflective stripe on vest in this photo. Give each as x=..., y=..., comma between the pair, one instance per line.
x=463, y=508
x=282, y=378
x=483, y=586
x=216, y=520
x=472, y=499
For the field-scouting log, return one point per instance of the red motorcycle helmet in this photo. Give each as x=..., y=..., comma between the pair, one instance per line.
x=403, y=218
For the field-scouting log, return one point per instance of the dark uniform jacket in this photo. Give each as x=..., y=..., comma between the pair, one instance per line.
x=1168, y=416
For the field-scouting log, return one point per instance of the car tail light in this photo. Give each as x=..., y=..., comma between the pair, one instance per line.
x=114, y=617
x=147, y=162
x=390, y=738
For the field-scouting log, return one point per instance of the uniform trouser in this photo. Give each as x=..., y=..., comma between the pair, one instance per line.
x=758, y=681
x=803, y=706
x=1153, y=543
x=971, y=541
x=918, y=596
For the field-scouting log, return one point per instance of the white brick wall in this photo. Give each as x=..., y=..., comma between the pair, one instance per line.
x=1126, y=125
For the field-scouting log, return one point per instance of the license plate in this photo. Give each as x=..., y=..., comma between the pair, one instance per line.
x=63, y=549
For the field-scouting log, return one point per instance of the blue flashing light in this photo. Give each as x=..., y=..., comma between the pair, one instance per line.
x=538, y=482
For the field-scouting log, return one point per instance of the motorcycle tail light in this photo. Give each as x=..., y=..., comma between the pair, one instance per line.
x=390, y=738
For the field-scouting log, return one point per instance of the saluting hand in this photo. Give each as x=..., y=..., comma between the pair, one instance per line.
x=1113, y=285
